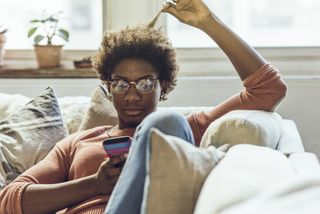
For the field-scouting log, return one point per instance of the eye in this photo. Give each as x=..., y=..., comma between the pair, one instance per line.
x=119, y=86
x=145, y=85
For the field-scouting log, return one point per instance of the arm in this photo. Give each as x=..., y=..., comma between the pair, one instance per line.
x=46, y=198
x=195, y=13
x=43, y=188
x=264, y=88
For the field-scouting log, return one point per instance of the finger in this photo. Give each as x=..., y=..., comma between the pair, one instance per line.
x=170, y=8
x=119, y=164
x=116, y=159
x=105, y=165
x=224, y=147
x=114, y=172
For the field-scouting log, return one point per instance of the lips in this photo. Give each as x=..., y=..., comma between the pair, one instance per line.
x=133, y=111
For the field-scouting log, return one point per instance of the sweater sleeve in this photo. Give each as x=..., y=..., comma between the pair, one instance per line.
x=263, y=90
x=52, y=169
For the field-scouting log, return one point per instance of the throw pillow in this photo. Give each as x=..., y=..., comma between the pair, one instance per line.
x=11, y=103
x=73, y=109
x=29, y=134
x=100, y=113
x=176, y=171
x=244, y=127
x=241, y=174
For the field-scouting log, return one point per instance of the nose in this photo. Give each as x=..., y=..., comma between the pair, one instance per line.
x=132, y=94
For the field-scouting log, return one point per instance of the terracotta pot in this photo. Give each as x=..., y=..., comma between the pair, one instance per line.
x=48, y=56
x=3, y=39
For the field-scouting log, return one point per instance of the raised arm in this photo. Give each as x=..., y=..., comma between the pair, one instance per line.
x=195, y=13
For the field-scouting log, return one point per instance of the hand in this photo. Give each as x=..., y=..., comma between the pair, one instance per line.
x=191, y=12
x=108, y=174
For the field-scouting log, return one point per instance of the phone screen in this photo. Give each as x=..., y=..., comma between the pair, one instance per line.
x=117, y=145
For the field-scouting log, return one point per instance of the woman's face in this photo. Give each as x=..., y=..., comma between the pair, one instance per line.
x=132, y=106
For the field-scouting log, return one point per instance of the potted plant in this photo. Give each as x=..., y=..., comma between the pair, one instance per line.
x=3, y=40
x=46, y=33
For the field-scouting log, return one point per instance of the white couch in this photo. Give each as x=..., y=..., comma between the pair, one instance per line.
x=81, y=112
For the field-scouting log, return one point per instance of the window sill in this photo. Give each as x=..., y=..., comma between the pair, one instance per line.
x=29, y=69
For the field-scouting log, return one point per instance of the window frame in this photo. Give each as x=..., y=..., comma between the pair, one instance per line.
x=202, y=61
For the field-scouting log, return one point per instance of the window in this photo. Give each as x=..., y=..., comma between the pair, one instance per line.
x=263, y=23
x=83, y=19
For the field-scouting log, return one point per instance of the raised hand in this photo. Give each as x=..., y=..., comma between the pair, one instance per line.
x=191, y=12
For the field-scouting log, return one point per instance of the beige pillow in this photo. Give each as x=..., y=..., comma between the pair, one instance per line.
x=73, y=110
x=245, y=171
x=29, y=134
x=176, y=171
x=101, y=111
x=244, y=127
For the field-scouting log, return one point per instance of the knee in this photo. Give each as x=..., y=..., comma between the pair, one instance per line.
x=164, y=119
x=168, y=122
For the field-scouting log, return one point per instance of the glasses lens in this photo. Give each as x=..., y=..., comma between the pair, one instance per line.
x=119, y=86
x=145, y=86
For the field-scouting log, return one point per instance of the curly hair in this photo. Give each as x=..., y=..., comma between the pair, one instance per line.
x=140, y=42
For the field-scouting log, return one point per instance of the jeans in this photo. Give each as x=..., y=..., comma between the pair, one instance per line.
x=127, y=195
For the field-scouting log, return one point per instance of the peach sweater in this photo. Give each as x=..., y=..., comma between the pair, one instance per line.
x=81, y=154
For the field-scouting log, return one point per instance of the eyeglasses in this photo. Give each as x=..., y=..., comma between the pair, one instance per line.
x=143, y=86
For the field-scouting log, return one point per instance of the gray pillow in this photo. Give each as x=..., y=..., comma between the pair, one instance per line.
x=29, y=134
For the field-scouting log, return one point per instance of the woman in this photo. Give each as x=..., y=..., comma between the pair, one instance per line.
x=138, y=68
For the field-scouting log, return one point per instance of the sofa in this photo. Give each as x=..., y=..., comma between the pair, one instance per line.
x=266, y=170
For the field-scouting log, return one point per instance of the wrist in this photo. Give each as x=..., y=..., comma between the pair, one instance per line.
x=208, y=22
x=93, y=185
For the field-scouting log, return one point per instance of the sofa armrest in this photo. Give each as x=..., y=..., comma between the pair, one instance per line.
x=305, y=163
x=290, y=141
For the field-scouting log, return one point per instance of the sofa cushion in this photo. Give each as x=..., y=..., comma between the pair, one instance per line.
x=73, y=110
x=244, y=127
x=100, y=112
x=29, y=134
x=245, y=171
x=290, y=140
x=176, y=171
x=10, y=104
x=300, y=195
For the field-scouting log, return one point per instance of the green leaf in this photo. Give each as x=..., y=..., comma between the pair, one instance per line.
x=32, y=31
x=38, y=39
x=35, y=21
x=63, y=34
x=51, y=19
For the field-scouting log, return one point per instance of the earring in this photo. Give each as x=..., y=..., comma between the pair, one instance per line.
x=162, y=96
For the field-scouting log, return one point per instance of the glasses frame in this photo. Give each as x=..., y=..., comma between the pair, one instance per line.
x=154, y=82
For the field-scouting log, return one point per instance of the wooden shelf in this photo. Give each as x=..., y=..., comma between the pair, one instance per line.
x=29, y=69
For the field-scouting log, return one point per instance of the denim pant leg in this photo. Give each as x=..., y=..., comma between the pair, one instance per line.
x=128, y=193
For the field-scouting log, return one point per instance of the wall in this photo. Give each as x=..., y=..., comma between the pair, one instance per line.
x=302, y=103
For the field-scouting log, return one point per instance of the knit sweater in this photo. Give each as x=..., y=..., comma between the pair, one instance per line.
x=81, y=154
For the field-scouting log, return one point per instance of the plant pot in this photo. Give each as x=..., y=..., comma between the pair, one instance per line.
x=3, y=40
x=48, y=56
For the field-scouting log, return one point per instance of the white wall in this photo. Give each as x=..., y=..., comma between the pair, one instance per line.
x=302, y=103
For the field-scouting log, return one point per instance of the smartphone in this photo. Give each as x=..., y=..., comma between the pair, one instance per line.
x=117, y=145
